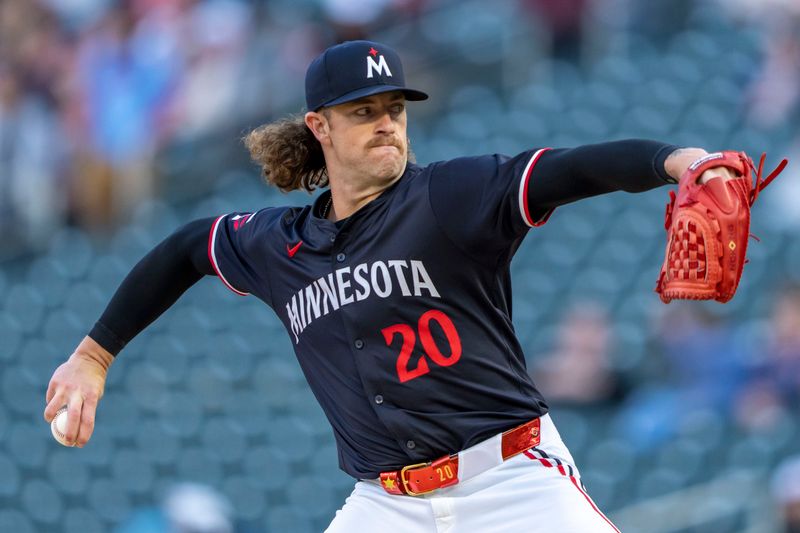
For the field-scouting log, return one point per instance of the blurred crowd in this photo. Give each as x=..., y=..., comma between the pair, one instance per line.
x=698, y=363
x=699, y=360
x=92, y=90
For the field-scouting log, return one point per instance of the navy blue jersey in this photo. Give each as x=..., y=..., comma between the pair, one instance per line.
x=401, y=315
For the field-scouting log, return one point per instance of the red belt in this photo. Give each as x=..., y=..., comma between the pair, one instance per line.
x=422, y=478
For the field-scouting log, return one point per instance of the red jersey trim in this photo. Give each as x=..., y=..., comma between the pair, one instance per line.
x=523, y=192
x=212, y=256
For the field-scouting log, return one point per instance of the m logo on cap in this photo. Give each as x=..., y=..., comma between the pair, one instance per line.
x=337, y=75
x=380, y=66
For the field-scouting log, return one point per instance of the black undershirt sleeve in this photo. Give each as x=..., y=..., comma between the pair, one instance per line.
x=565, y=175
x=154, y=284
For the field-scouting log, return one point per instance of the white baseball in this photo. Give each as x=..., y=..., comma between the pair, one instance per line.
x=59, y=426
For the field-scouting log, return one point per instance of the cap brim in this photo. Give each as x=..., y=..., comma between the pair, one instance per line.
x=410, y=94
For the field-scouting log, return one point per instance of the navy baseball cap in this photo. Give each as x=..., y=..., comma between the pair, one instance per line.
x=353, y=70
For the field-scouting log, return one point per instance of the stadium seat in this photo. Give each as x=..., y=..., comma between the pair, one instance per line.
x=81, y=520
x=51, y=277
x=66, y=472
x=11, y=335
x=657, y=482
x=300, y=488
x=613, y=457
x=606, y=490
x=161, y=447
x=251, y=410
x=289, y=518
x=685, y=456
x=170, y=354
x=248, y=501
x=9, y=476
x=182, y=415
x=64, y=327
x=293, y=436
x=132, y=471
x=231, y=355
x=27, y=304
x=107, y=272
x=97, y=453
x=277, y=379
x=225, y=439
x=267, y=467
x=16, y=521
x=108, y=500
x=21, y=390
x=73, y=251
x=88, y=301
x=120, y=414
x=207, y=384
x=42, y=502
x=199, y=465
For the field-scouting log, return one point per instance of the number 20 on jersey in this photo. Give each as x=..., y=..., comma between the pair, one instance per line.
x=430, y=348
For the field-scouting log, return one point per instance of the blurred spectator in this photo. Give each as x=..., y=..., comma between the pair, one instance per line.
x=774, y=387
x=217, y=35
x=772, y=98
x=186, y=508
x=106, y=85
x=705, y=363
x=565, y=21
x=774, y=94
x=32, y=199
x=786, y=493
x=353, y=20
x=658, y=21
x=579, y=370
x=704, y=368
x=127, y=69
x=33, y=151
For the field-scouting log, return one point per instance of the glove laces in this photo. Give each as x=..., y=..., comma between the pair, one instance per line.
x=761, y=183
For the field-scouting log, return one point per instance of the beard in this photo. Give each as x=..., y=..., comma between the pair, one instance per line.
x=387, y=169
x=389, y=164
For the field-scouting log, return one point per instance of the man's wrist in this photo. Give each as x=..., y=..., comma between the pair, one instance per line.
x=91, y=350
x=678, y=161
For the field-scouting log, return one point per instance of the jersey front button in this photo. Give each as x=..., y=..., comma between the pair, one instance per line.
x=340, y=257
x=379, y=399
x=411, y=445
x=333, y=238
x=359, y=344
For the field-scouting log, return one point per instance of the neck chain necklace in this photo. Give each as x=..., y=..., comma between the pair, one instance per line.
x=327, y=207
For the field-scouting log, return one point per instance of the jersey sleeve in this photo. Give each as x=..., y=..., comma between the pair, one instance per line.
x=481, y=202
x=235, y=249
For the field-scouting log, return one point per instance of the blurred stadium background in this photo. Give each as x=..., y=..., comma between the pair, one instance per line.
x=120, y=120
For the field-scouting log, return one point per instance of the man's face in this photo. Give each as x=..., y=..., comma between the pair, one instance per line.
x=368, y=137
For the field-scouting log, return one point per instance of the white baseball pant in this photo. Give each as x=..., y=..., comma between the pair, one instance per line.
x=537, y=491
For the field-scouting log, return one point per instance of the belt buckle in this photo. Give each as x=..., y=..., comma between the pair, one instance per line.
x=405, y=482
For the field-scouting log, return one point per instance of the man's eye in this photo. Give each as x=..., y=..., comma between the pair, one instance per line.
x=362, y=111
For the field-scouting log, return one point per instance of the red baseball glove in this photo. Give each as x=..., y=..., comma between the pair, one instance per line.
x=707, y=228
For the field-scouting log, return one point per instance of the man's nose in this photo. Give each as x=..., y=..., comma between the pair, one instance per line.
x=385, y=123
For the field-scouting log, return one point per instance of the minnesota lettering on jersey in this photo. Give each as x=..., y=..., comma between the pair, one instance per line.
x=345, y=286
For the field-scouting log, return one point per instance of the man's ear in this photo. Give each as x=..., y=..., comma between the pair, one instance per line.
x=318, y=124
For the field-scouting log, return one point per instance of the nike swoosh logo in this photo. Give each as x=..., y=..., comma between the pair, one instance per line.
x=293, y=250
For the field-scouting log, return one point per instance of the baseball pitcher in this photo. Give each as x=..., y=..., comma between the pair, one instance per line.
x=394, y=288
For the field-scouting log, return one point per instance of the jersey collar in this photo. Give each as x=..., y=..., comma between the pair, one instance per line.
x=322, y=200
